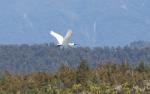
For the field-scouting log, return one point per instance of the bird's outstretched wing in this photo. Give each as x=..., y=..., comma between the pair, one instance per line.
x=57, y=36
x=67, y=37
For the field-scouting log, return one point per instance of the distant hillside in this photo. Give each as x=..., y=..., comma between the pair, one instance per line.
x=116, y=22
x=47, y=57
x=140, y=44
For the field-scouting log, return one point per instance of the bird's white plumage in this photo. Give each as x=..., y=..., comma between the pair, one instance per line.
x=57, y=36
x=63, y=41
x=67, y=37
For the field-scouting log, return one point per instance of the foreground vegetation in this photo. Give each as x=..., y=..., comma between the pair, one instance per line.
x=108, y=78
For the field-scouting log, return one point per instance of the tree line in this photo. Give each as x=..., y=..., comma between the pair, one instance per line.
x=47, y=57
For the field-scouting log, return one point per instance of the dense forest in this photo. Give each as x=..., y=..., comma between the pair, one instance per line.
x=48, y=58
x=47, y=69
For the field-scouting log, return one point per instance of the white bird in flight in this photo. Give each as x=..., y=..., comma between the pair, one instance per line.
x=63, y=41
